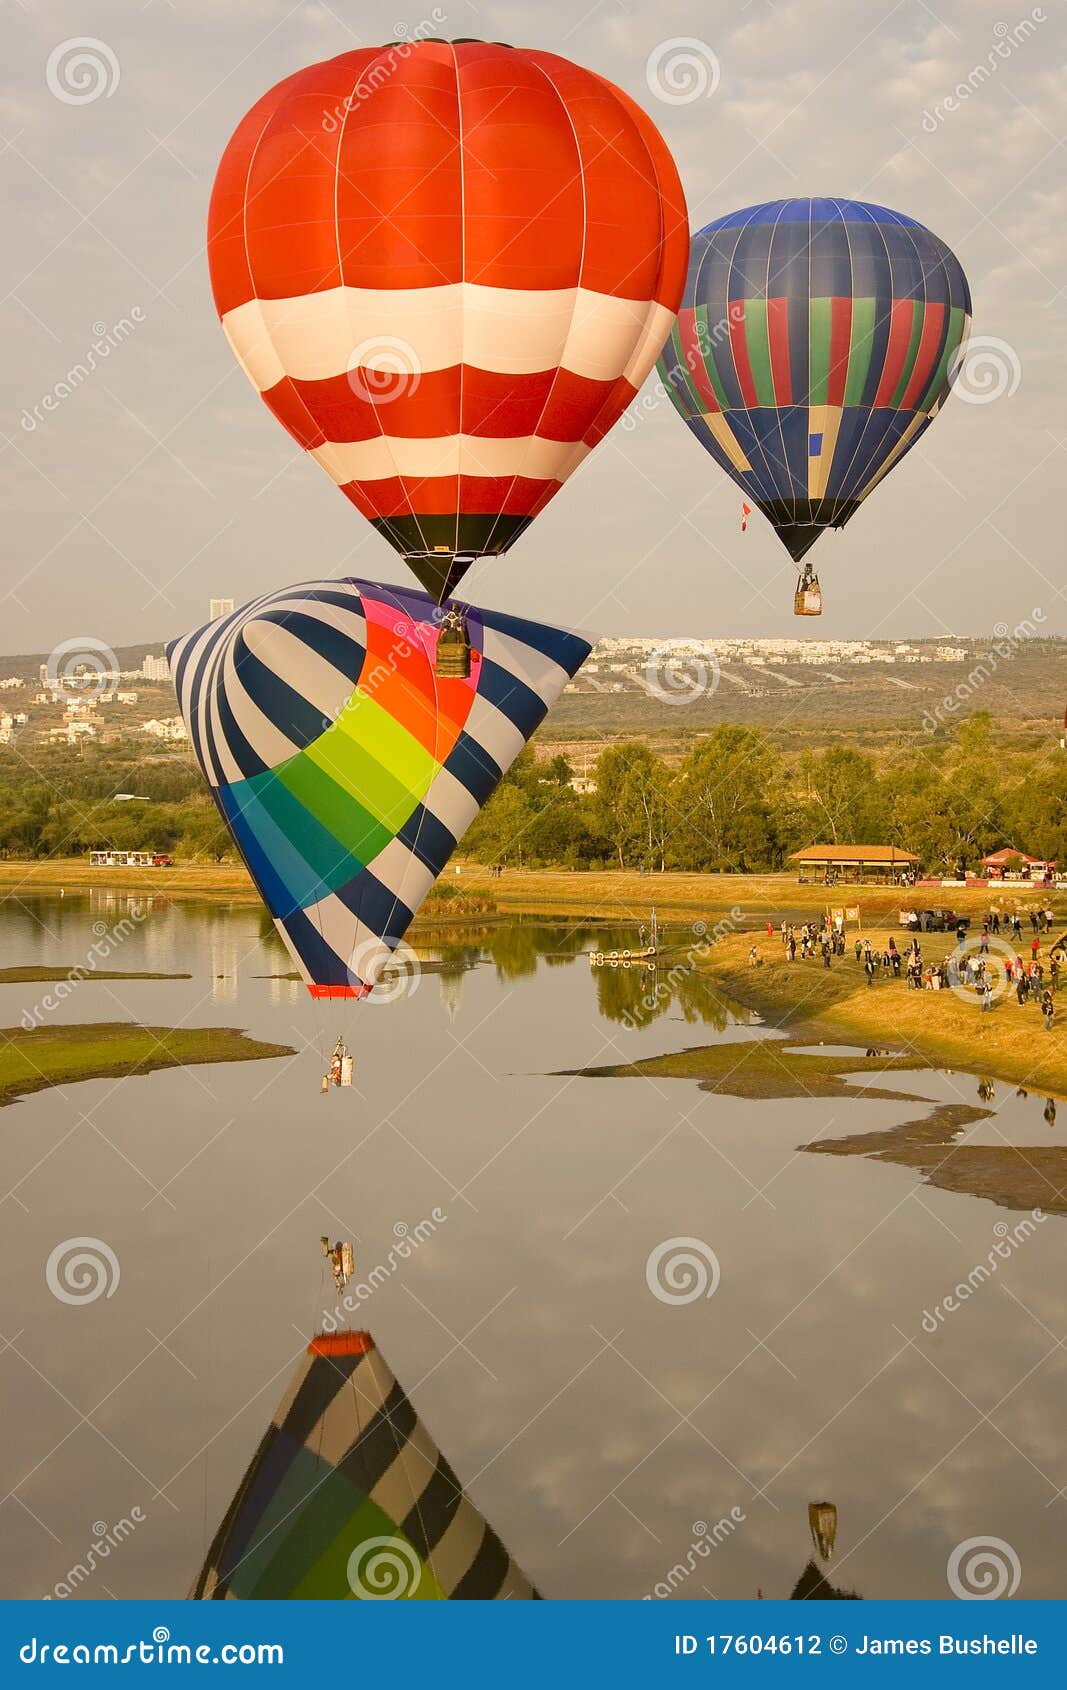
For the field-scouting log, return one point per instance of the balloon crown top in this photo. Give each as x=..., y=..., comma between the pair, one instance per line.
x=444, y=41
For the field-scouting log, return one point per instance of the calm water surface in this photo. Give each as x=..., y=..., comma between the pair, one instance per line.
x=599, y=1427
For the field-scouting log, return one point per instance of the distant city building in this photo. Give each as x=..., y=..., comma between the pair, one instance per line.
x=220, y=607
x=171, y=729
x=72, y=731
x=155, y=669
x=11, y=683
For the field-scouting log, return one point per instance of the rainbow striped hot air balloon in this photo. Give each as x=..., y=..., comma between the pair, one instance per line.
x=814, y=345
x=345, y=768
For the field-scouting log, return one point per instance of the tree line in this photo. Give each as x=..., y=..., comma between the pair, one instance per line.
x=734, y=802
x=59, y=803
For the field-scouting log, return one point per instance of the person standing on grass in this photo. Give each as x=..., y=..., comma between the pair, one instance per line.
x=1035, y=947
x=826, y=953
x=984, y=945
x=1016, y=926
x=1048, y=1009
x=985, y=992
x=994, y=922
x=1054, y=969
x=868, y=968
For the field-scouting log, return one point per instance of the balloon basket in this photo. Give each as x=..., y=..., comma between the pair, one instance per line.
x=807, y=600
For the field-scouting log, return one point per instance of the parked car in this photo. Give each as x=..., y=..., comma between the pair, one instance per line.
x=938, y=920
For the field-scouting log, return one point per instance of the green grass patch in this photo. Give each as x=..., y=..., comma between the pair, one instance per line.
x=59, y=1056
x=34, y=976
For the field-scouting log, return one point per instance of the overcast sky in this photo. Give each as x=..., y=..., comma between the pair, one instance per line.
x=163, y=479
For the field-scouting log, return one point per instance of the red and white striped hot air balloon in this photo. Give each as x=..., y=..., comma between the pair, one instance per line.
x=447, y=268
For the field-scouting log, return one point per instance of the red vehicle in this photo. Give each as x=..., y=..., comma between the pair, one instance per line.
x=161, y=860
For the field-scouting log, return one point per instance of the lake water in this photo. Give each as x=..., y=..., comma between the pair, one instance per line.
x=602, y=1429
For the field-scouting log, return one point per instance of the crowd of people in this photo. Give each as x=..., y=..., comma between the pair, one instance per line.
x=968, y=968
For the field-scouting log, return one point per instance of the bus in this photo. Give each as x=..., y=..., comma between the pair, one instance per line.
x=130, y=859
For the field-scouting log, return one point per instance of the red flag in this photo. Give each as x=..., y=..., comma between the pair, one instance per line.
x=746, y=512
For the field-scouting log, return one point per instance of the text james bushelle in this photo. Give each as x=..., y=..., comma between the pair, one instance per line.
x=945, y=1644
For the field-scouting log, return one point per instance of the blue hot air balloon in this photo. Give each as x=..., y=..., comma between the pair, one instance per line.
x=815, y=343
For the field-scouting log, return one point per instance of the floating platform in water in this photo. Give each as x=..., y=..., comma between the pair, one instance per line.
x=624, y=959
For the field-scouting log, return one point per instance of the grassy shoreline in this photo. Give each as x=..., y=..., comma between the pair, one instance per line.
x=34, y=974
x=595, y=895
x=62, y=1055
x=835, y=1003
x=939, y=1028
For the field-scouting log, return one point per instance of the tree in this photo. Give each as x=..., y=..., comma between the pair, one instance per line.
x=632, y=805
x=724, y=802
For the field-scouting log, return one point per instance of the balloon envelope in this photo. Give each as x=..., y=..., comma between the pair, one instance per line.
x=345, y=769
x=348, y=1498
x=813, y=347
x=447, y=268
